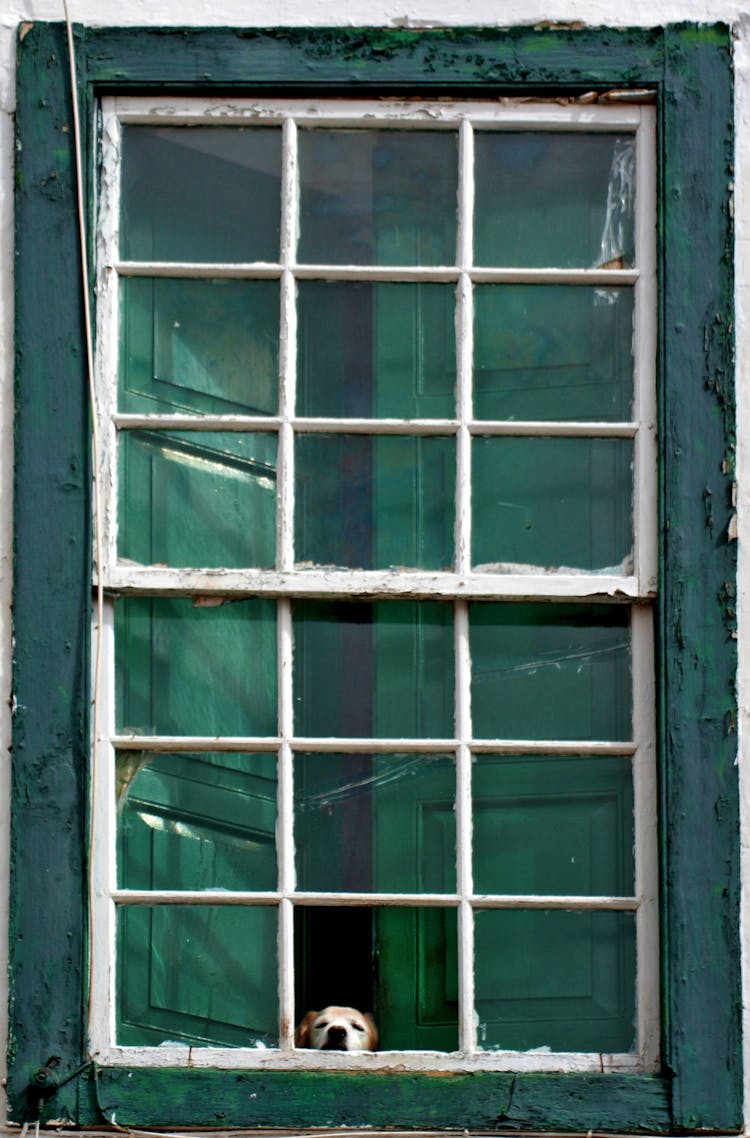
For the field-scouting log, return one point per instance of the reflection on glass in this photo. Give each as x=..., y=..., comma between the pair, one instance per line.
x=392, y=814
x=553, y=352
x=200, y=193
x=370, y=502
x=198, y=499
x=199, y=821
x=381, y=350
x=551, y=671
x=554, y=199
x=185, y=667
x=217, y=992
x=383, y=669
x=552, y=503
x=558, y=980
x=208, y=346
x=553, y=824
x=378, y=197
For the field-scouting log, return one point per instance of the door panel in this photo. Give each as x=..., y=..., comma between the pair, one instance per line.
x=197, y=822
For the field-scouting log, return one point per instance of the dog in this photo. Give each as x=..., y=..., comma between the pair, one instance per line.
x=337, y=1029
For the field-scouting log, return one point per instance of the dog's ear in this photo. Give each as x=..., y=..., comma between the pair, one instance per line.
x=373, y=1031
x=302, y=1034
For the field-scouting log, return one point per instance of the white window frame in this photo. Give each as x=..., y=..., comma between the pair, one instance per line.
x=636, y=588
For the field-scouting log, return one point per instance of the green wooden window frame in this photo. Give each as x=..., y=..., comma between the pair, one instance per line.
x=689, y=68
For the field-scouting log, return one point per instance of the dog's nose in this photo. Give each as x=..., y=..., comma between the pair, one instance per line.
x=336, y=1039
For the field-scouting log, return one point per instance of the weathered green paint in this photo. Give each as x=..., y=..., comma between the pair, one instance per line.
x=689, y=68
x=482, y=1101
x=48, y=852
x=315, y=58
x=698, y=575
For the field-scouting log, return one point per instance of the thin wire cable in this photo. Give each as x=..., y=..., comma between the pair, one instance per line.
x=95, y=456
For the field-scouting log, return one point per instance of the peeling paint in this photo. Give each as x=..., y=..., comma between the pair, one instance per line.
x=698, y=678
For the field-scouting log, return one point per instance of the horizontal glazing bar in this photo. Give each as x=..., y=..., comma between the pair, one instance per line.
x=587, y=112
x=376, y=426
x=301, y=425
x=368, y=900
x=153, y=580
x=551, y=275
x=134, y=422
x=306, y=425
x=514, y=901
x=264, y=270
x=477, y=901
x=533, y=428
x=183, y=743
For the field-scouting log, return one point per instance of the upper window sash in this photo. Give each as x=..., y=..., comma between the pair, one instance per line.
x=636, y=580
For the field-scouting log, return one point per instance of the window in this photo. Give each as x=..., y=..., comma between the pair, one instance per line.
x=344, y=672
x=368, y=371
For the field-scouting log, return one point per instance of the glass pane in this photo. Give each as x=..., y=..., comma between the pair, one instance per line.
x=562, y=981
x=551, y=671
x=543, y=503
x=200, y=821
x=202, y=667
x=551, y=824
x=215, y=991
x=383, y=669
x=417, y=996
x=198, y=499
x=200, y=193
x=554, y=199
x=208, y=346
x=376, y=350
x=378, y=197
x=394, y=815
x=553, y=352
x=372, y=502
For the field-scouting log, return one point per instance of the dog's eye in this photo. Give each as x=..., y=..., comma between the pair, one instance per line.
x=322, y=1025
x=357, y=1026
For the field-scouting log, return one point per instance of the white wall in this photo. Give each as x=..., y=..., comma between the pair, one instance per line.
x=389, y=13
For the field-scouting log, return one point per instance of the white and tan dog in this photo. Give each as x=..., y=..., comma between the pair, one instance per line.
x=337, y=1029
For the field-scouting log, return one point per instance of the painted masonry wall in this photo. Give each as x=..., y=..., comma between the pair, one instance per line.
x=389, y=13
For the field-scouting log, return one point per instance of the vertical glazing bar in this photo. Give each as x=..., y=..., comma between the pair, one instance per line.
x=464, y=874
x=284, y=828
x=646, y=851
x=287, y=350
x=103, y=836
x=645, y=410
x=285, y=560
x=646, y=561
x=464, y=345
x=464, y=366
x=107, y=324
x=103, y=867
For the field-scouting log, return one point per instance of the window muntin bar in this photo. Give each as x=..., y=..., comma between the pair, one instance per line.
x=537, y=428
x=285, y=583
x=263, y=270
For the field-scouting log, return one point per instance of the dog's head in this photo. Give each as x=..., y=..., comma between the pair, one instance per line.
x=337, y=1029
